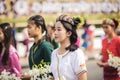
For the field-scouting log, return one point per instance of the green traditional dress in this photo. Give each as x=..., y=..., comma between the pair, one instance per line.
x=40, y=51
x=55, y=44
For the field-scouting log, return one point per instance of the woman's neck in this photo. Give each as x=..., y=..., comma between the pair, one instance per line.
x=37, y=38
x=111, y=36
x=63, y=46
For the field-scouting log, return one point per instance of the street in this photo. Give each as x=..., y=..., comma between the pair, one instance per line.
x=94, y=71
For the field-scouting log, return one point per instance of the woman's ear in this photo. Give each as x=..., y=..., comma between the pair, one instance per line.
x=69, y=33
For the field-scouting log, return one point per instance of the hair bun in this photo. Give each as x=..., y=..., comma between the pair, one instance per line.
x=115, y=22
x=76, y=21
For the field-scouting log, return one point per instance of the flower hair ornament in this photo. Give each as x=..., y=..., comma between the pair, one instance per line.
x=65, y=18
x=108, y=22
x=4, y=27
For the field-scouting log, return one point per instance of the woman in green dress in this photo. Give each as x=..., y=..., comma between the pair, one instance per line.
x=41, y=49
x=51, y=31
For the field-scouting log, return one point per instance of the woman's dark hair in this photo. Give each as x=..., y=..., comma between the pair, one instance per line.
x=115, y=22
x=7, y=31
x=39, y=21
x=70, y=24
x=108, y=22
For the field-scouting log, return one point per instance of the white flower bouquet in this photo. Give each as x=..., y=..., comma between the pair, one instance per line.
x=114, y=61
x=7, y=76
x=40, y=72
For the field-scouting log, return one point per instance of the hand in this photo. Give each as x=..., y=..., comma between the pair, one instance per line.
x=102, y=64
x=25, y=77
x=105, y=64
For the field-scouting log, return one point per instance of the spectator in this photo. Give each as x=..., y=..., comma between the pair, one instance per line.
x=14, y=34
x=51, y=30
x=26, y=41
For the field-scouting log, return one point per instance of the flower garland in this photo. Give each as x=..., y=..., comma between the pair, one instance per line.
x=114, y=61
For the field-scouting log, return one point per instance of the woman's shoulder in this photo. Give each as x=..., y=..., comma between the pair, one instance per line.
x=54, y=52
x=46, y=44
x=77, y=52
x=117, y=38
x=104, y=38
x=12, y=51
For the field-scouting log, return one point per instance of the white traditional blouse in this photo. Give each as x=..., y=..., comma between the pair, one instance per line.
x=68, y=65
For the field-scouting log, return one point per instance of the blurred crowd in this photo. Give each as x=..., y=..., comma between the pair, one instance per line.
x=24, y=7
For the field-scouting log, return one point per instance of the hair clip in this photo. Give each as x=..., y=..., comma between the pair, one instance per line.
x=6, y=27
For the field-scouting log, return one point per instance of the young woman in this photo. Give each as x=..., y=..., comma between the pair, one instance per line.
x=41, y=49
x=9, y=59
x=67, y=61
x=51, y=30
x=110, y=44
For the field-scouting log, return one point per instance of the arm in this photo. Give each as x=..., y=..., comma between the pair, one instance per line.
x=118, y=47
x=82, y=76
x=15, y=64
x=79, y=65
x=102, y=64
x=100, y=61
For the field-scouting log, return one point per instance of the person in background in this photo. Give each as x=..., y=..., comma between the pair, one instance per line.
x=51, y=30
x=85, y=36
x=26, y=41
x=14, y=35
x=9, y=58
x=116, y=24
x=90, y=32
x=68, y=54
x=41, y=49
x=78, y=42
x=110, y=45
x=88, y=37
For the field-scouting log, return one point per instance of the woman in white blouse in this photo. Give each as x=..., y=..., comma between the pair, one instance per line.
x=67, y=62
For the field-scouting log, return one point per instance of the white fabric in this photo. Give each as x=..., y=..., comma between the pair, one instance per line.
x=2, y=7
x=68, y=65
x=21, y=7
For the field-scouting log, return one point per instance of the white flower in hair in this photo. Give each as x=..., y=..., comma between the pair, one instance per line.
x=44, y=33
